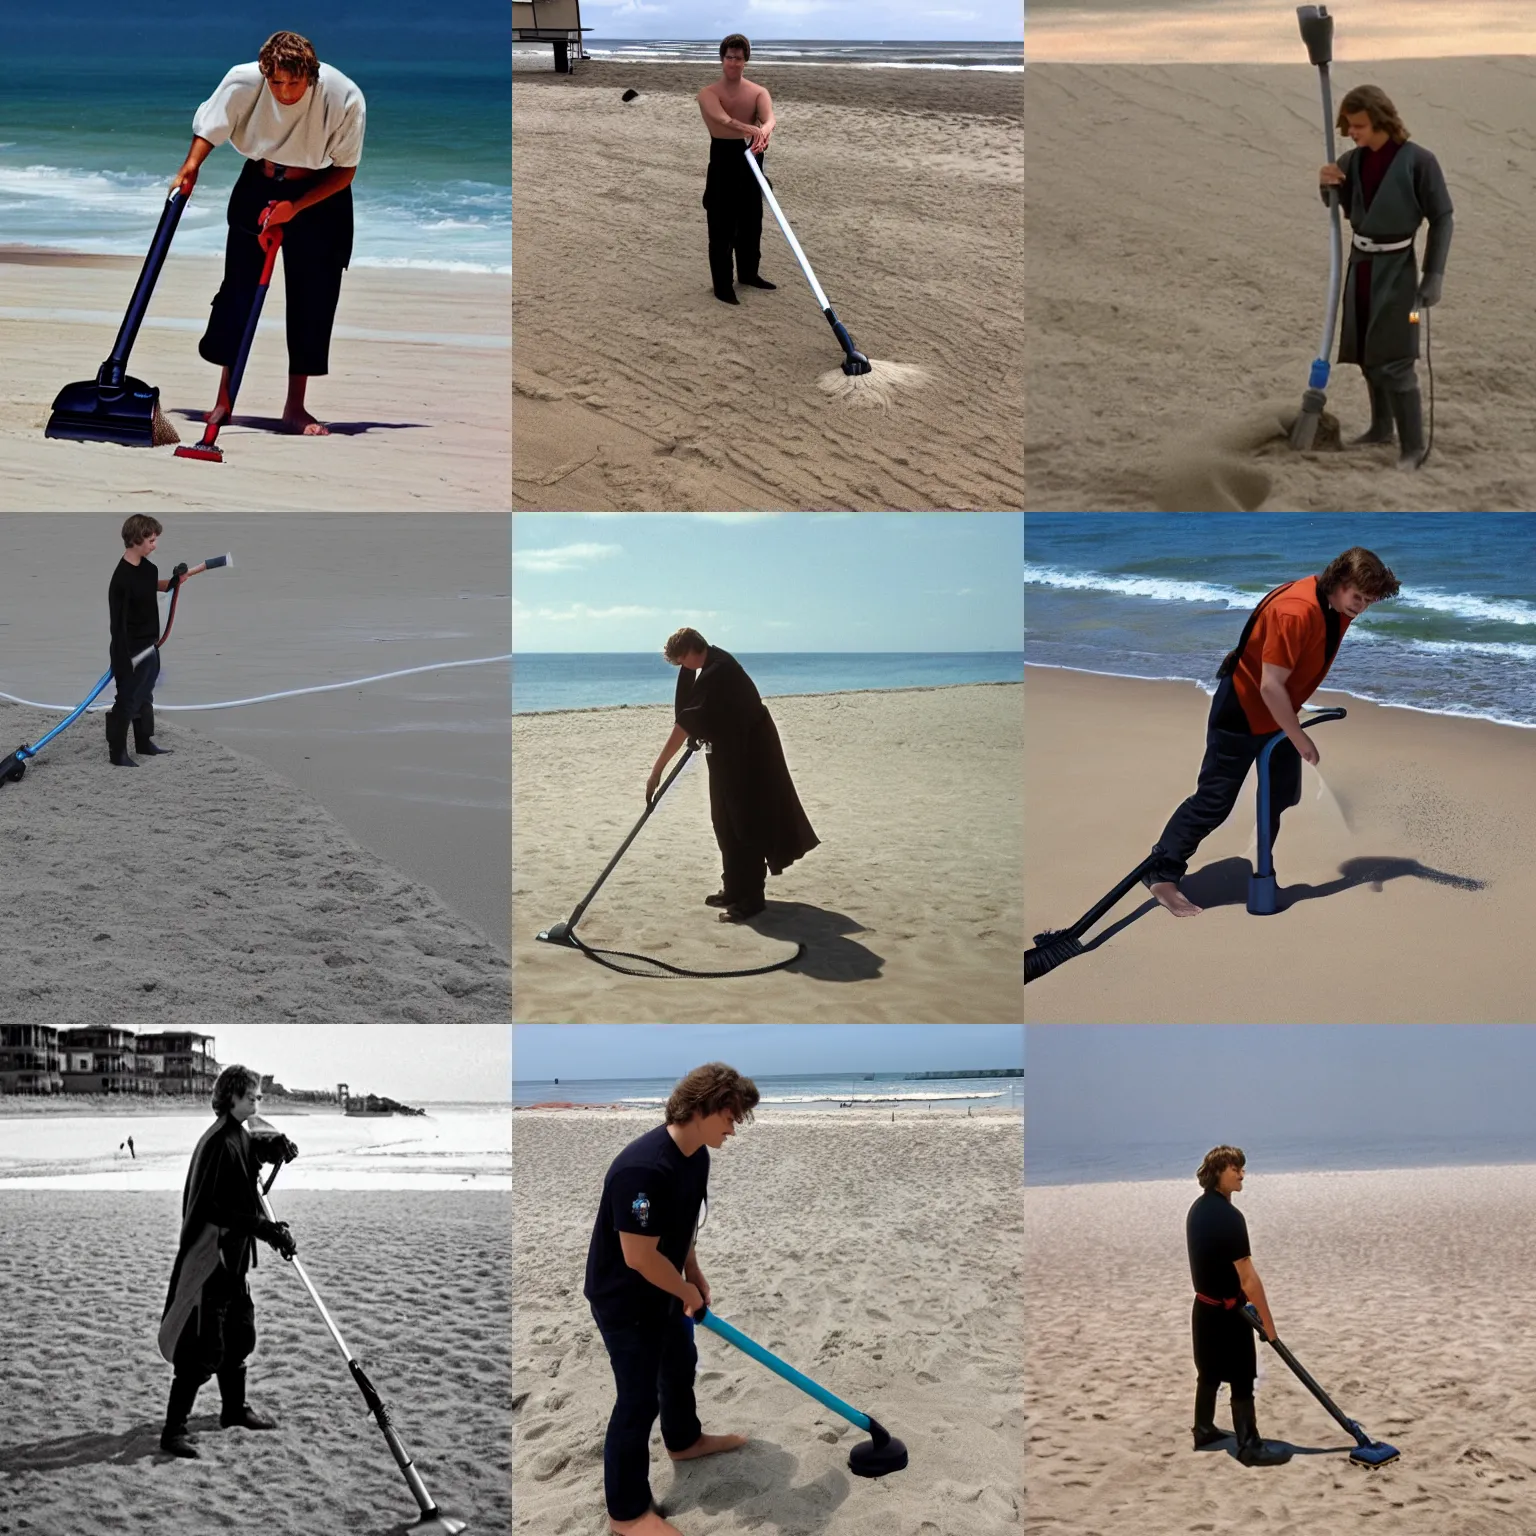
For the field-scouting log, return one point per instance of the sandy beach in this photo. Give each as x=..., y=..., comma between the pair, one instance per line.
x=417, y=1284
x=1377, y=1290
x=1407, y=866
x=1178, y=261
x=636, y=390
x=900, y=1291
x=910, y=907
x=417, y=398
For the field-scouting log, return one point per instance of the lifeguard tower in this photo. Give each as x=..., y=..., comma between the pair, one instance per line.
x=550, y=21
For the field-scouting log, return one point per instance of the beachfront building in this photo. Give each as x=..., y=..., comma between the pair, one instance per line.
x=98, y=1060
x=176, y=1061
x=29, y=1059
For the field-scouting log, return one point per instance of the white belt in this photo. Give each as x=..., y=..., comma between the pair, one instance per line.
x=1373, y=247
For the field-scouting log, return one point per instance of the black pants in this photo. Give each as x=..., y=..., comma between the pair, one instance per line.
x=733, y=203
x=653, y=1365
x=218, y=1339
x=1229, y=754
x=317, y=246
x=743, y=864
x=134, y=702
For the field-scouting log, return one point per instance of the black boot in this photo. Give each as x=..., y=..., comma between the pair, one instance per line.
x=236, y=1412
x=1408, y=409
x=756, y=282
x=1380, y=430
x=1251, y=1450
x=173, y=1438
x=117, y=743
x=144, y=733
x=726, y=296
x=1206, y=1432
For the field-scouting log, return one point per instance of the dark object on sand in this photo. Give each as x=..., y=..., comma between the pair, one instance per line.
x=433, y=1521
x=876, y=1457
x=1317, y=34
x=205, y=448
x=629, y=95
x=1263, y=893
x=565, y=933
x=1367, y=1452
x=114, y=407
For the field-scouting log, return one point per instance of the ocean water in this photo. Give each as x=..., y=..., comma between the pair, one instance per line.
x=94, y=124
x=894, y=1090
x=1005, y=57
x=596, y=680
x=1164, y=595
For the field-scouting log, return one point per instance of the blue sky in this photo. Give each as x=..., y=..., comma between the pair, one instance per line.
x=755, y=582
x=918, y=20
x=574, y=1051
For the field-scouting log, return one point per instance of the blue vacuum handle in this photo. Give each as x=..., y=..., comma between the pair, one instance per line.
x=779, y=1368
x=111, y=372
x=1266, y=853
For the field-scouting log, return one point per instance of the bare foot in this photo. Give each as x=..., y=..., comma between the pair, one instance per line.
x=302, y=424
x=708, y=1445
x=1169, y=894
x=649, y=1524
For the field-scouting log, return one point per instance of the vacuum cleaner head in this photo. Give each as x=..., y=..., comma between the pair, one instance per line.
x=1371, y=1453
x=1050, y=950
x=201, y=451
x=559, y=934
x=439, y=1525
x=1316, y=32
x=13, y=767
x=879, y=1455
x=128, y=413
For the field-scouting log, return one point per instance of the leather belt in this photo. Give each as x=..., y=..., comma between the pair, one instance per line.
x=275, y=172
x=1376, y=247
x=1227, y=1303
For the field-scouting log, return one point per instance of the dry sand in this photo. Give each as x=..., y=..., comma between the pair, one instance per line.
x=417, y=1285
x=218, y=894
x=1378, y=1287
x=883, y=1260
x=1178, y=267
x=417, y=398
x=909, y=907
x=636, y=390
x=1386, y=926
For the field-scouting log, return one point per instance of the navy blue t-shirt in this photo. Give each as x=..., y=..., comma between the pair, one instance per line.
x=653, y=1190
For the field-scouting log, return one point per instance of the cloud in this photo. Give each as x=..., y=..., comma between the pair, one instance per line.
x=565, y=557
x=584, y=613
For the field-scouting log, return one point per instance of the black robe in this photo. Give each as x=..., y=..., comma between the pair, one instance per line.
x=720, y=704
x=220, y=1211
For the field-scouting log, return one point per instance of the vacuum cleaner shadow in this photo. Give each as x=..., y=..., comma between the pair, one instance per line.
x=336, y=428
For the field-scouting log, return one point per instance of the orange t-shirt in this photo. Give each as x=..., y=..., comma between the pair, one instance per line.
x=1292, y=631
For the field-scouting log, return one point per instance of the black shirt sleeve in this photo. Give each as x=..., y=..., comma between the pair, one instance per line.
x=641, y=1201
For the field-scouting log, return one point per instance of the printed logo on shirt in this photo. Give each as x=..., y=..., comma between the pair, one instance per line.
x=640, y=1208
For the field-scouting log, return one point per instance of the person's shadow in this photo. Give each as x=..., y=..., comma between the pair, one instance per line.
x=1228, y=1447
x=1225, y=884
x=275, y=424
x=140, y=1443
x=830, y=955
x=719, y=1483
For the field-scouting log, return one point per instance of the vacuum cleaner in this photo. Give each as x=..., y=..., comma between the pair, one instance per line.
x=14, y=767
x=876, y=1457
x=114, y=407
x=1367, y=1452
x=854, y=361
x=1317, y=34
x=564, y=934
x=433, y=1522
x=1057, y=945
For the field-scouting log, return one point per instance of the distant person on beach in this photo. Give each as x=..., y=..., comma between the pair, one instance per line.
x=1286, y=649
x=131, y=1153
x=735, y=110
x=1221, y=1267
x=299, y=124
x=644, y=1285
x=759, y=822
x=1387, y=188
x=209, y=1324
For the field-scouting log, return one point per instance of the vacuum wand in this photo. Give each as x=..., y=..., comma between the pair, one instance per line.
x=1263, y=892
x=854, y=361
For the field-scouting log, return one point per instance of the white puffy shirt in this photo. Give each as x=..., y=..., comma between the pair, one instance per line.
x=323, y=128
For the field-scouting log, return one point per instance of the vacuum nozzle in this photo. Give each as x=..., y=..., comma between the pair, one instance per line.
x=559, y=934
x=878, y=1456
x=200, y=451
x=1316, y=32
x=854, y=361
x=14, y=767
x=216, y=561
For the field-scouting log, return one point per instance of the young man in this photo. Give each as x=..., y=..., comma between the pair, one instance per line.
x=1284, y=654
x=1387, y=187
x=735, y=110
x=644, y=1285
x=299, y=123
x=1221, y=1267
x=209, y=1324
x=134, y=624
x=758, y=819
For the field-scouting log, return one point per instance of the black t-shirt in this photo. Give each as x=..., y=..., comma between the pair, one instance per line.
x=653, y=1190
x=1217, y=1235
x=134, y=610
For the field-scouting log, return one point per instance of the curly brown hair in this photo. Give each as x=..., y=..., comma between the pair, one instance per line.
x=292, y=54
x=138, y=528
x=736, y=40
x=1360, y=568
x=683, y=642
x=232, y=1083
x=707, y=1090
x=1375, y=101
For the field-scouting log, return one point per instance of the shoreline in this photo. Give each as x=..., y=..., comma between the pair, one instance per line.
x=1363, y=698
x=596, y=709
